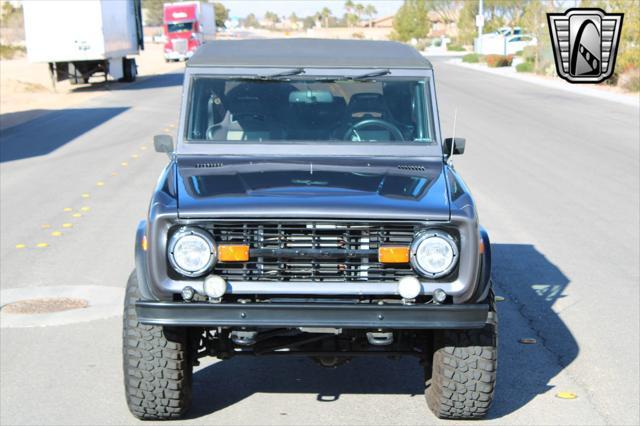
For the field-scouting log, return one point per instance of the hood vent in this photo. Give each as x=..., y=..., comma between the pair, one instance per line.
x=411, y=167
x=208, y=165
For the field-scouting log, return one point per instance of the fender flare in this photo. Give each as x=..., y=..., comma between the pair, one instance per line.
x=484, y=281
x=141, y=263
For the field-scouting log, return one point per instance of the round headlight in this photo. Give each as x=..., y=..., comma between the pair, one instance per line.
x=434, y=253
x=191, y=251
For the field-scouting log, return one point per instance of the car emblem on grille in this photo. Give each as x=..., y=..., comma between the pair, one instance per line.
x=585, y=43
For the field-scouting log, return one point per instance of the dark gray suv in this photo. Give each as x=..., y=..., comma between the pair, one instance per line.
x=309, y=208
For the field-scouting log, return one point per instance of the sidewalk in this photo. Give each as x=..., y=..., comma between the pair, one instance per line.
x=510, y=72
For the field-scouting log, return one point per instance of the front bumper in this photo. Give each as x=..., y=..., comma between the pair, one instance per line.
x=177, y=56
x=340, y=315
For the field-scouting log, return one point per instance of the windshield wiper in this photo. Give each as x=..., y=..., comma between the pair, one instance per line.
x=287, y=73
x=378, y=73
x=361, y=77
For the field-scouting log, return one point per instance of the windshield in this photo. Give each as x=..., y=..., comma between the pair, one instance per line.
x=180, y=26
x=385, y=110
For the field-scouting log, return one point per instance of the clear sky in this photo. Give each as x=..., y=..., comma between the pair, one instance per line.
x=241, y=8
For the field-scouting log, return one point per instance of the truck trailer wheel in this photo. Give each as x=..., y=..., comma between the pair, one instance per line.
x=463, y=373
x=129, y=70
x=157, y=365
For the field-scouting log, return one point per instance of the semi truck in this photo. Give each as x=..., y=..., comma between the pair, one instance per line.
x=187, y=25
x=80, y=39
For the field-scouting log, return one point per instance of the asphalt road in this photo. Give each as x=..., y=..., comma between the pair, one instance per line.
x=556, y=179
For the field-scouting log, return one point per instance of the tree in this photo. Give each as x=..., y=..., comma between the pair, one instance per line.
x=222, y=14
x=251, y=21
x=445, y=9
x=370, y=12
x=272, y=17
x=154, y=11
x=411, y=21
x=325, y=14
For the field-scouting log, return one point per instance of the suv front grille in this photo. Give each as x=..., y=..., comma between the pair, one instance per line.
x=314, y=251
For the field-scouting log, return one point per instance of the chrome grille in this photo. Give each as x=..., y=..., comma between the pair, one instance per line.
x=314, y=251
x=179, y=45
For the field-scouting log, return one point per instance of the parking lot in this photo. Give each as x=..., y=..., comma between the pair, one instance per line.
x=556, y=179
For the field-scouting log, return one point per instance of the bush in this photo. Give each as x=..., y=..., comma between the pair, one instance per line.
x=422, y=45
x=525, y=67
x=472, y=58
x=10, y=51
x=455, y=48
x=495, y=61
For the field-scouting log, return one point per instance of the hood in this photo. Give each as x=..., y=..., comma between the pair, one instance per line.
x=313, y=188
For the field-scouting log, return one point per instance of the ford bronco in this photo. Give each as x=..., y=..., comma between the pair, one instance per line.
x=310, y=208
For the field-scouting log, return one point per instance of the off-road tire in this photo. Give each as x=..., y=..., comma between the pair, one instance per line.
x=157, y=366
x=463, y=373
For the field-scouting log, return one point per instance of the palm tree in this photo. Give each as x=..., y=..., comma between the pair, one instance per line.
x=370, y=11
x=325, y=13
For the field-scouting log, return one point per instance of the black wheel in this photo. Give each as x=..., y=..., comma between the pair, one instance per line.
x=157, y=365
x=463, y=373
x=130, y=70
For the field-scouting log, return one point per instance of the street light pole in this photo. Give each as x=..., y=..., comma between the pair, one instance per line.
x=480, y=24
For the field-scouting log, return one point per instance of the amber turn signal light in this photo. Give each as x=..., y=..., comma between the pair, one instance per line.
x=233, y=253
x=393, y=254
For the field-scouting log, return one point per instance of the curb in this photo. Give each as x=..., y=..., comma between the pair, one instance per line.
x=629, y=100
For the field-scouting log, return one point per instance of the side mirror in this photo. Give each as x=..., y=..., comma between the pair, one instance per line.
x=163, y=143
x=458, y=146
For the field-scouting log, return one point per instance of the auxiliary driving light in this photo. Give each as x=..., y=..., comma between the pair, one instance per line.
x=215, y=286
x=188, y=293
x=409, y=287
x=439, y=296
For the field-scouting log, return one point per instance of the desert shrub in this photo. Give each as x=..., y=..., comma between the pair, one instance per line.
x=10, y=51
x=422, y=44
x=472, y=58
x=495, y=61
x=455, y=48
x=358, y=35
x=525, y=67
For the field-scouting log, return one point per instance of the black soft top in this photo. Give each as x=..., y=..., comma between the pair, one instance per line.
x=307, y=52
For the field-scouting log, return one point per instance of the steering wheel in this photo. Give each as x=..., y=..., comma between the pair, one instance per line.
x=372, y=122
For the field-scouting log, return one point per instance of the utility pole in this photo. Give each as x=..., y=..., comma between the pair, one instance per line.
x=480, y=24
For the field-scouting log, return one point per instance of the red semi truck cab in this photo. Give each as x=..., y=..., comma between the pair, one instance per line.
x=187, y=25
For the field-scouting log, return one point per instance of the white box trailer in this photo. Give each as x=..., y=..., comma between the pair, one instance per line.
x=82, y=38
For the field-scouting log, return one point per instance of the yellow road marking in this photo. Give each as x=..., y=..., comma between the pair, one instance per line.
x=42, y=245
x=86, y=195
x=45, y=226
x=143, y=147
x=135, y=156
x=99, y=183
x=85, y=208
x=67, y=225
x=124, y=164
x=67, y=209
x=172, y=125
x=21, y=246
x=76, y=215
x=566, y=395
x=56, y=234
